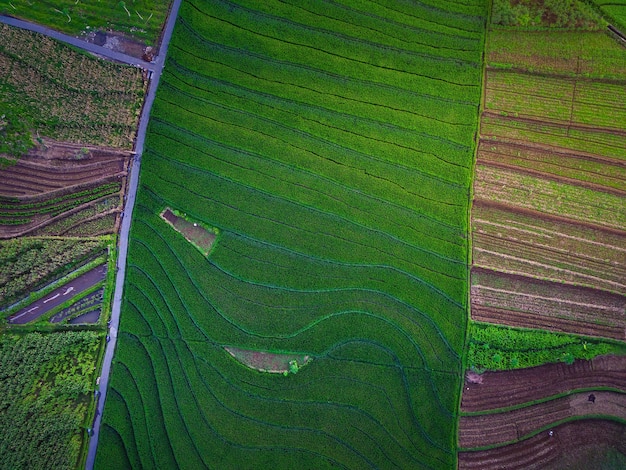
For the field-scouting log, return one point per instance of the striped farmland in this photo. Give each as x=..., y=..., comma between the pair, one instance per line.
x=331, y=144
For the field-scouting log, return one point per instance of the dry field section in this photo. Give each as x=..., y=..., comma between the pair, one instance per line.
x=549, y=213
x=331, y=145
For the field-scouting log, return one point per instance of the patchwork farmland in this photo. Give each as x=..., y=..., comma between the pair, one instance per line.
x=331, y=146
x=548, y=253
x=549, y=212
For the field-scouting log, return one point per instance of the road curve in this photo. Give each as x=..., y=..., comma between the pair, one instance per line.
x=99, y=50
x=125, y=229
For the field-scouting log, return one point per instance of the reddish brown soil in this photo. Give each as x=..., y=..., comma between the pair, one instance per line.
x=490, y=429
x=568, y=442
x=54, y=170
x=525, y=302
x=515, y=387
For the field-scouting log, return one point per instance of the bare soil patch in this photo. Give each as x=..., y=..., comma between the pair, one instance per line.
x=267, y=362
x=195, y=233
x=119, y=42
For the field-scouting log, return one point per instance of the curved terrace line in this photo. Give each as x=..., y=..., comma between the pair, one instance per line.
x=288, y=64
x=270, y=286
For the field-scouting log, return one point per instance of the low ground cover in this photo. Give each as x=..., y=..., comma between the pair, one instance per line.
x=141, y=19
x=494, y=347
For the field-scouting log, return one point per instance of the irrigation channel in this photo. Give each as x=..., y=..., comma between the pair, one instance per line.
x=58, y=296
x=155, y=67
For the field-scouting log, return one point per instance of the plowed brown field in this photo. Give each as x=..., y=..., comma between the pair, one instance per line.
x=515, y=387
x=568, y=441
x=526, y=302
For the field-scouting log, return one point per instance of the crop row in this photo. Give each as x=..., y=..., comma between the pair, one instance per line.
x=573, y=53
x=92, y=213
x=309, y=230
x=342, y=191
x=558, y=306
x=69, y=95
x=553, y=162
x=550, y=197
x=556, y=99
x=16, y=206
x=510, y=240
x=27, y=177
x=301, y=307
x=543, y=451
x=257, y=33
x=568, y=138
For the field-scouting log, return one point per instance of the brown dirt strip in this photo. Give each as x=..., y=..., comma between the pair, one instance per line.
x=517, y=319
x=491, y=429
x=510, y=388
x=533, y=147
x=544, y=451
x=551, y=75
x=536, y=321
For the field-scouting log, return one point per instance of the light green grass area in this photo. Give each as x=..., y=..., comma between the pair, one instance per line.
x=494, y=347
x=140, y=19
x=331, y=145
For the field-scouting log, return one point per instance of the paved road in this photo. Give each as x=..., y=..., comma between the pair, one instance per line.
x=125, y=229
x=102, y=51
x=60, y=295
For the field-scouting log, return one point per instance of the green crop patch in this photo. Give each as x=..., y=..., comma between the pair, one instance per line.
x=333, y=147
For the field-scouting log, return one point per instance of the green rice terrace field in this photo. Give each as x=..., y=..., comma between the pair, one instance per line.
x=330, y=146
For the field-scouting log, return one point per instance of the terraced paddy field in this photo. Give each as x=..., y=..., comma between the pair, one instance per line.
x=331, y=146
